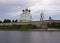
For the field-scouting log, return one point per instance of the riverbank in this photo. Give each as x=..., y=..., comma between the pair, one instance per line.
x=18, y=27
x=49, y=29
x=28, y=27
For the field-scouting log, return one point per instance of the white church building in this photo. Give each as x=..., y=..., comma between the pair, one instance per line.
x=26, y=16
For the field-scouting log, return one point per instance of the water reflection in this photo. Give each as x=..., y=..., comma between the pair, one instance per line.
x=29, y=37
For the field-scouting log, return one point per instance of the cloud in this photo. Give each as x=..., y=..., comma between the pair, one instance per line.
x=14, y=7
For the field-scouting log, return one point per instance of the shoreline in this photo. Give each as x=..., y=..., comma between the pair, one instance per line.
x=50, y=29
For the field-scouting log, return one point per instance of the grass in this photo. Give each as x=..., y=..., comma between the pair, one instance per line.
x=18, y=27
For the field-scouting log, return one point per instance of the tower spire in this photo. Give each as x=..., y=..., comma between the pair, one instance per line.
x=41, y=16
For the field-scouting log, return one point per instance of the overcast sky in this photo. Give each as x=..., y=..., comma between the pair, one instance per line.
x=11, y=9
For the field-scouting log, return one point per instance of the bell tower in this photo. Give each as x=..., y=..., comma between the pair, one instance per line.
x=41, y=16
x=43, y=23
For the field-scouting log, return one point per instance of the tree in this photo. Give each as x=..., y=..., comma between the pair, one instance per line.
x=0, y=21
x=16, y=20
x=7, y=21
x=13, y=21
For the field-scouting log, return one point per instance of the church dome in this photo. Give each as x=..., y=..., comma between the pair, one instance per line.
x=26, y=9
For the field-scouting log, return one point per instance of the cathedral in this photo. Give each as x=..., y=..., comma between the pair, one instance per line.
x=25, y=16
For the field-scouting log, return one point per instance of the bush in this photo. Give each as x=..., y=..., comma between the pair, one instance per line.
x=54, y=25
x=18, y=27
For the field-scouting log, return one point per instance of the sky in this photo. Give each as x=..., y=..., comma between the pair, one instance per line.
x=11, y=9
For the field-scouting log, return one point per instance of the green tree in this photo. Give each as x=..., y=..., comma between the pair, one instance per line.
x=0, y=21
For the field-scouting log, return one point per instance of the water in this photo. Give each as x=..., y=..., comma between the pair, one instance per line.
x=29, y=37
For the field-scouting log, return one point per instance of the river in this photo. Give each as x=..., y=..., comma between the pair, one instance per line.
x=29, y=37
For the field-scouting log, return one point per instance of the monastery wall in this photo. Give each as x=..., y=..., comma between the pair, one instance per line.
x=37, y=23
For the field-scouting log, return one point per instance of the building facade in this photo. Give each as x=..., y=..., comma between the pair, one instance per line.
x=26, y=15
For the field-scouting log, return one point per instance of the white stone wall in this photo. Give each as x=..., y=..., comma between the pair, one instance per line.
x=25, y=17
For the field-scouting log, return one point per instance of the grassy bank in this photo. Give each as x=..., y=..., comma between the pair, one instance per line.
x=18, y=27
x=51, y=26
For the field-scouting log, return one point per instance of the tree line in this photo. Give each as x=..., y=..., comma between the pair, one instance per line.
x=54, y=25
x=8, y=21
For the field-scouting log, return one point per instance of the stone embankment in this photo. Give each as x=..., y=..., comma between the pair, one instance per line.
x=49, y=29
